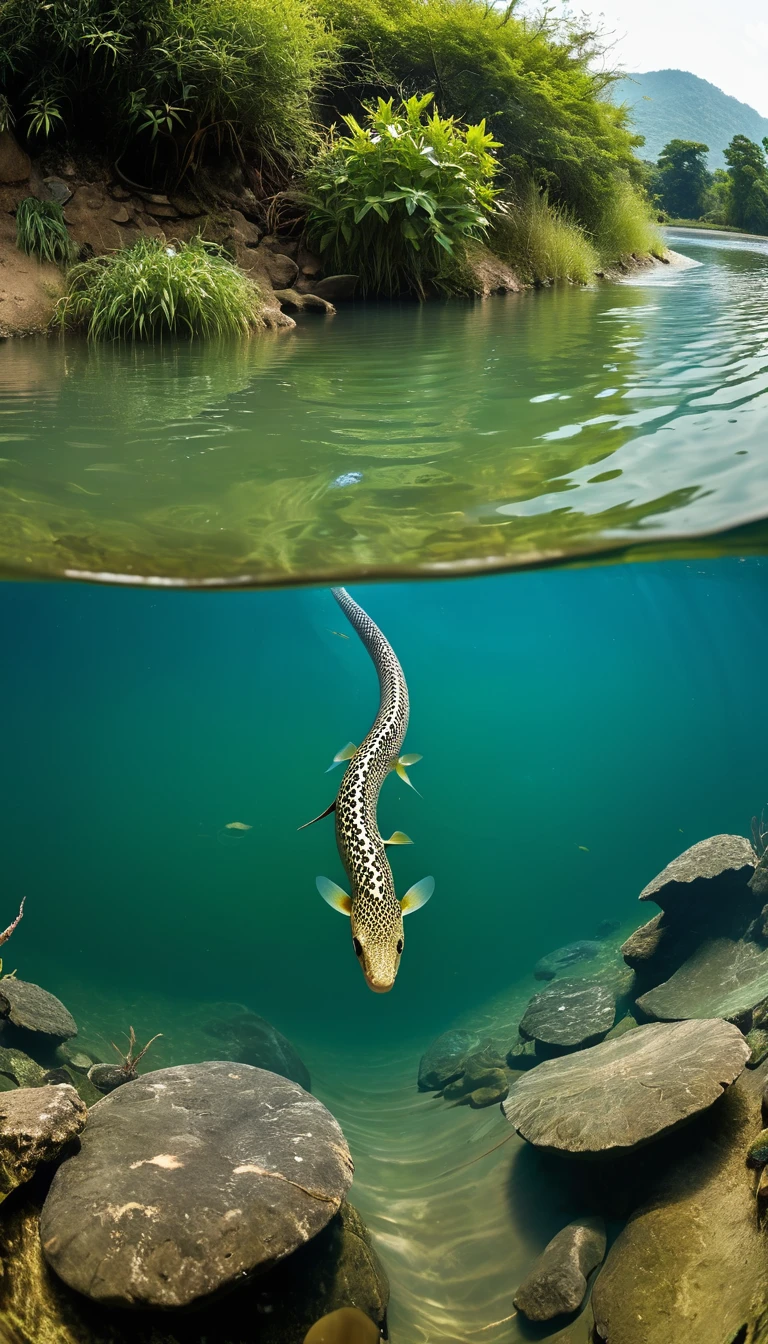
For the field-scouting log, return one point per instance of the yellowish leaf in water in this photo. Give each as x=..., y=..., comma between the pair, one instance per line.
x=237, y=826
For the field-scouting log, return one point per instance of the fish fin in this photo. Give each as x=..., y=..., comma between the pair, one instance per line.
x=345, y=754
x=402, y=773
x=410, y=759
x=334, y=895
x=326, y=813
x=399, y=838
x=417, y=895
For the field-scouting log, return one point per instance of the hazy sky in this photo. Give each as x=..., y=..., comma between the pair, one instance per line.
x=726, y=43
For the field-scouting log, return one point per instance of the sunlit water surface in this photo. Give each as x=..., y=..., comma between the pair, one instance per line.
x=399, y=439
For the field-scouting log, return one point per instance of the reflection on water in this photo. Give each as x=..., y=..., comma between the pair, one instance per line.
x=398, y=437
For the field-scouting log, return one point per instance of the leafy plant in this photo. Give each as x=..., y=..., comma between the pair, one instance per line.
x=748, y=173
x=150, y=289
x=42, y=232
x=392, y=199
x=541, y=241
x=173, y=78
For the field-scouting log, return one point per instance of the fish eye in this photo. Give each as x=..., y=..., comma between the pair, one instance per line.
x=399, y=946
x=358, y=946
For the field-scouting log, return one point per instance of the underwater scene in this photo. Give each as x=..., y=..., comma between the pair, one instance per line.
x=245, y=1097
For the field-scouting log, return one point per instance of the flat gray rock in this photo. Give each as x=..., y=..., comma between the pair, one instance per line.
x=557, y=1283
x=251, y=1039
x=571, y=1013
x=34, y=1009
x=188, y=1181
x=628, y=1091
x=711, y=870
x=723, y=978
x=35, y=1124
x=558, y=961
x=445, y=1058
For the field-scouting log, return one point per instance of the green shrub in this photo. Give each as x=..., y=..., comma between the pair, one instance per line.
x=541, y=241
x=534, y=80
x=171, y=77
x=151, y=289
x=626, y=226
x=393, y=199
x=42, y=232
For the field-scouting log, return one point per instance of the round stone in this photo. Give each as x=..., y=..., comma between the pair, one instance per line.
x=34, y=1009
x=571, y=1013
x=189, y=1180
x=628, y=1091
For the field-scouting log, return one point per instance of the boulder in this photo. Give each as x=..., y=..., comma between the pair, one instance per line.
x=757, y=1040
x=15, y=164
x=522, y=1055
x=18, y=1066
x=557, y=1283
x=624, y=1093
x=188, y=1181
x=336, y=1269
x=558, y=961
x=335, y=288
x=714, y=872
x=690, y=1267
x=490, y=1093
x=292, y=299
x=348, y=1325
x=723, y=978
x=253, y=1040
x=445, y=1058
x=282, y=270
x=32, y=1009
x=757, y=1152
x=572, y=1013
x=57, y=190
x=626, y=1024
x=35, y=1125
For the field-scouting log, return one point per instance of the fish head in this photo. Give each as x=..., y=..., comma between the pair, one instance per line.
x=378, y=938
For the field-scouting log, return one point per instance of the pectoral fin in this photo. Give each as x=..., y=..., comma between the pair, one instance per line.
x=345, y=754
x=411, y=759
x=334, y=895
x=399, y=838
x=401, y=772
x=326, y=813
x=417, y=895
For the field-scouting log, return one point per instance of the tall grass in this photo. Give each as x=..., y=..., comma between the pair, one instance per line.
x=149, y=290
x=42, y=232
x=393, y=199
x=626, y=227
x=543, y=242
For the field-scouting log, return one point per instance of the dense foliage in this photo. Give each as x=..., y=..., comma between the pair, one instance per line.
x=41, y=231
x=531, y=80
x=748, y=172
x=171, y=75
x=542, y=242
x=391, y=199
x=150, y=289
x=682, y=178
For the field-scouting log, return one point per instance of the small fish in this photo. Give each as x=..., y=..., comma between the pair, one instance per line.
x=340, y=634
x=237, y=826
x=347, y=1325
x=583, y=848
x=346, y=478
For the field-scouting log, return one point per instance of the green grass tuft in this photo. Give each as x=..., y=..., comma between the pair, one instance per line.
x=151, y=289
x=626, y=227
x=543, y=242
x=41, y=231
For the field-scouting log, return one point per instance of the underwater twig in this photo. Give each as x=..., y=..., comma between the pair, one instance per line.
x=5, y=935
x=130, y=1060
x=479, y=1157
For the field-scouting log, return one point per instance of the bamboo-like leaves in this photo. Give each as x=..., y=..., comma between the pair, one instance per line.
x=42, y=232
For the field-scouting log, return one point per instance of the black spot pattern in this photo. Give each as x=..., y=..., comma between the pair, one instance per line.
x=377, y=920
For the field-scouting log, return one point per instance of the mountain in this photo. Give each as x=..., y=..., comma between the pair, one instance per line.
x=674, y=104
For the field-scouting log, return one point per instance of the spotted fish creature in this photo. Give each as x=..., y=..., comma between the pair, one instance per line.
x=376, y=914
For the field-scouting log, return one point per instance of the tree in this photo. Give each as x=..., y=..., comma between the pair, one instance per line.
x=718, y=206
x=683, y=178
x=748, y=171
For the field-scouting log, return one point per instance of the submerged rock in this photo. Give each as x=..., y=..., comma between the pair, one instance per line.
x=253, y=1040
x=347, y=1325
x=490, y=1094
x=606, y=927
x=757, y=1040
x=570, y=1014
x=189, y=1180
x=35, y=1125
x=690, y=1267
x=24, y=1071
x=757, y=1152
x=723, y=978
x=522, y=1055
x=626, y=1092
x=713, y=871
x=106, y=1077
x=32, y=1009
x=445, y=1059
x=556, y=962
x=557, y=1283
x=626, y=1024
x=337, y=1268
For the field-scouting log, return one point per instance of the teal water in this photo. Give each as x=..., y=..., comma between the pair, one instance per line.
x=579, y=727
x=399, y=439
